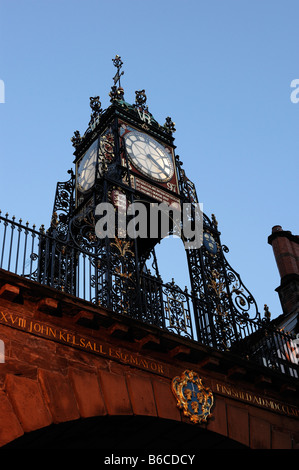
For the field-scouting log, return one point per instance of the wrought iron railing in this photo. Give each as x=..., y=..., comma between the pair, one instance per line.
x=42, y=257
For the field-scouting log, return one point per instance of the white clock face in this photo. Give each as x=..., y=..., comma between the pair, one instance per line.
x=87, y=168
x=149, y=156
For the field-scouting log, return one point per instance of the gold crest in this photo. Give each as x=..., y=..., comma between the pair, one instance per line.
x=192, y=397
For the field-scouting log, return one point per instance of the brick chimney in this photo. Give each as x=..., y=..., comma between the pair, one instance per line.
x=286, y=251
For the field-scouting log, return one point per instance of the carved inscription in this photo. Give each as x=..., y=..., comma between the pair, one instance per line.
x=256, y=400
x=82, y=342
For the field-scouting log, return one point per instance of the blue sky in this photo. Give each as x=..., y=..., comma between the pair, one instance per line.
x=221, y=69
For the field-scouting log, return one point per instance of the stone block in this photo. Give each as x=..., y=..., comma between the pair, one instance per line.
x=59, y=396
x=26, y=398
x=10, y=428
x=115, y=393
x=260, y=433
x=88, y=394
x=165, y=401
x=142, y=395
x=238, y=424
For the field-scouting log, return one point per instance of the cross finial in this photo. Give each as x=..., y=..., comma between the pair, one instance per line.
x=118, y=63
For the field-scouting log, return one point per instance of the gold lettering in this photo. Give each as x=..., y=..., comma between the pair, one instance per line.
x=4, y=317
x=101, y=350
x=61, y=336
x=44, y=330
x=89, y=345
x=284, y=409
x=272, y=406
x=226, y=390
x=52, y=332
x=81, y=342
x=257, y=400
x=124, y=357
x=95, y=347
x=22, y=322
x=144, y=363
x=36, y=327
x=277, y=406
x=13, y=319
x=74, y=342
x=117, y=354
x=133, y=360
x=110, y=352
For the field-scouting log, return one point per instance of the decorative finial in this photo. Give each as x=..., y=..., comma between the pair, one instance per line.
x=54, y=220
x=95, y=105
x=267, y=313
x=118, y=63
x=76, y=139
x=140, y=99
x=169, y=124
x=117, y=92
x=214, y=220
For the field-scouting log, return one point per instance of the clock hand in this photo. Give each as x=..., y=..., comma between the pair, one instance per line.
x=156, y=163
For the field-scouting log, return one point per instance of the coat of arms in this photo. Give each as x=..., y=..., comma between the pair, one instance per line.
x=192, y=397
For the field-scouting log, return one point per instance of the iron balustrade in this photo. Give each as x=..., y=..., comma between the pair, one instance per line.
x=39, y=256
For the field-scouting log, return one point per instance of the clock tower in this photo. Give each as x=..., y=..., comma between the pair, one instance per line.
x=126, y=172
x=85, y=314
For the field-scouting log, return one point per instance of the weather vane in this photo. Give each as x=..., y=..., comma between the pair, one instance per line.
x=118, y=63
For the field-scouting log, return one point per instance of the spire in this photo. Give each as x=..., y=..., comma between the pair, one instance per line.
x=117, y=92
x=118, y=63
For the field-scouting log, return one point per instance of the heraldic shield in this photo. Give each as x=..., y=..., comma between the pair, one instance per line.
x=192, y=397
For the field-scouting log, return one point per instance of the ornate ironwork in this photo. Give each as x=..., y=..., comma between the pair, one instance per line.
x=106, y=273
x=96, y=108
x=223, y=303
x=76, y=139
x=116, y=94
x=95, y=105
x=121, y=273
x=118, y=63
x=178, y=318
x=169, y=125
x=187, y=188
x=140, y=99
x=63, y=207
x=106, y=146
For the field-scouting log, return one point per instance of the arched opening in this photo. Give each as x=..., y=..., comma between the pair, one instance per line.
x=168, y=264
x=172, y=261
x=123, y=432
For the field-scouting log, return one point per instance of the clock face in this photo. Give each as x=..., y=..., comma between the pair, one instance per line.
x=149, y=156
x=209, y=243
x=87, y=168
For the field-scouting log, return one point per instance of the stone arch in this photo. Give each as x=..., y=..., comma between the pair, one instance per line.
x=38, y=410
x=62, y=367
x=124, y=432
